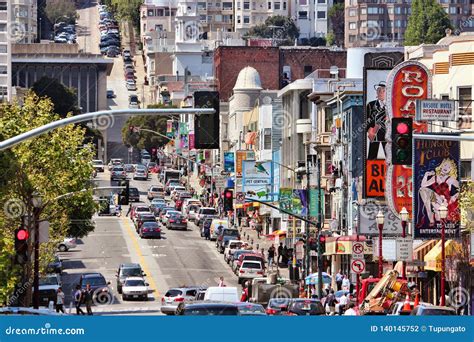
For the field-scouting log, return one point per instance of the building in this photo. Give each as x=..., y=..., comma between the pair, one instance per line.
x=216, y=16
x=251, y=13
x=24, y=15
x=369, y=23
x=157, y=16
x=5, y=51
x=86, y=73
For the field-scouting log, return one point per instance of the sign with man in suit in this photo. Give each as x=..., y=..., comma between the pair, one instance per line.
x=376, y=120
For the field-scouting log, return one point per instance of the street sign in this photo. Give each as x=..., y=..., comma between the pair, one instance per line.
x=358, y=266
x=357, y=250
x=435, y=110
x=220, y=182
x=299, y=250
x=404, y=249
x=240, y=197
x=389, y=249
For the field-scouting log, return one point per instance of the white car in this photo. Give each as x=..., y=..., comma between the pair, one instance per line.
x=132, y=86
x=135, y=288
x=250, y=269
x=168, y=214
x=67, y=244
x=231, y=247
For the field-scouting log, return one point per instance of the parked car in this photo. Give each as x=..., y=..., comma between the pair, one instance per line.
x=278, y=306
x=98, y=165
x=176, y=220
x=250, y=269
x=67, y=244
x=113, y=51
x=135, y=288
x=174, y=296
x=128, y=270
x=118, y=172
x=134, y=194
x=48, y=287
x=204, y=211
x=133, y=101
x=150, y=229
x=131, y=85
x=225, y=236
x=305, y=307
x=222, y=294
x=102, y=293
x=111, y=94
x=56, y=266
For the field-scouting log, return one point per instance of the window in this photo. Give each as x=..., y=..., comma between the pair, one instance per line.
x=327, y=207
x=466, y=169
x=465, y=107
x=389, y=23
x=372, y=10
x=363, y=11
x=284, y=5
x=267, y=139
x=303, y=2
x=218, y=5
x=246, y=19
x=452, y=10
x=202, y=18
x=3, y=69
x=238, y=19
x=363, y=24
x=3, y=48
x=398, y=10
x=352, y=26
x=150, y=13
x=302, y=15
x=352, y=38
x=321, y=1
x=246, y=5
x=238, y=5
x=269, y=5
x=308, y=69
x=227, y=5
x=390, y=10
x=352, y=13
x=218, y=18
x=321, y=15
x=328, y=115
x=3, y=27
x=209, y=18
x=276, y=6
x=201, y=5
x=3, y=6
x=327, y=163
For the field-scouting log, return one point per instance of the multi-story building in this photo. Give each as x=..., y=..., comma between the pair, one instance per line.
x=157, y=15
x=24, y=15
x=369, y=23
x=217, y=15
x=251, y=13
x=5, y=51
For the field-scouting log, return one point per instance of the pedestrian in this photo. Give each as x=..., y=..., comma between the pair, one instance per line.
x=60, y=300
x=271, y=256
x=245, y=292
x=280, y=253
x=314, y=295
x=207, y=232
x=78, y=300
x=130, y=207
x=343, y=301
x=350, y=311
x=258, y=228
x=346, y=283
x=119, y=210
x=88, y=295
x=331, y=303
x=221, y=281
x=285, y=256
x=339, y=280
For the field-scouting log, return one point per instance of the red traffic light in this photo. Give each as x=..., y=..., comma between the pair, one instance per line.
x=402, y=128
x=22, y=234
x=228, y=194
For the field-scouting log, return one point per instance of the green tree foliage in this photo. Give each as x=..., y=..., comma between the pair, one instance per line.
x=427, y=23
x=63, y=98
x=336, y=22
x=61, y=10
x=127, y=9
x=52, y=164
x=282, y=29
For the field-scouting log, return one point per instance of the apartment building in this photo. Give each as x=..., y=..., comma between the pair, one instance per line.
x=369, y=23
x=251, y=13
x=24, y=15
x=5, y=51
x=217, y=15
x=157, y=16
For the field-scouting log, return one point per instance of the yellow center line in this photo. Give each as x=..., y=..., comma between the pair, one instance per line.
x=131, y=233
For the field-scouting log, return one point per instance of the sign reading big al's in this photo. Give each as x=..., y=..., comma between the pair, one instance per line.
x=407, y=82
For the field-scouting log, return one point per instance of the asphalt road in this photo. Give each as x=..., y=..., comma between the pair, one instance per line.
x=180, y=258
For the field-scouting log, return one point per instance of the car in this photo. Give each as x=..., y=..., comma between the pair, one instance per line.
x=249, y=256
x=305, y=307
x=170, y=184
x=235, y=260
x=133, y=101
x=206, y=223
x=126, y=270
x=98, y=165
x=140, y=174
x=217, y=226
x=155, y=191
x=126, y=53
x=112, y=52
x=222, y=294
x=209, y=309
x=133, y=194
x=67, y=244
x=118, y=172
x=135, y=287
x=142, y=218
x=129, y=78
x=176, y=220
x=397, y=308
x=231, y=247
x=128, y=74
x=225, y=236
x=250, y=269
x=131, y=85
x=151, y=166
x=174, y=296
x=432, y=310
x=111, y=94
x=277, y=306
x=129, y=167
x=167, y=214
x=191, y=212
x=251, y=309
x=150, y=229
x=98, y=284
x=204, y=211
x=190, y=201
x=114, y=162
x=129, y=67
x=48, y=287
x=176, y=190
x=163, y=211
x=139, y=209
x=180, y=199
x=55, y=266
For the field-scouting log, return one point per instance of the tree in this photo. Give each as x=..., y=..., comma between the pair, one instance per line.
x=280, y=28
x=127, y=9
x=58, y=9
x=317, y=41
x=52, y=164
x=63, y=98
x=427, y=23
x=336, y=20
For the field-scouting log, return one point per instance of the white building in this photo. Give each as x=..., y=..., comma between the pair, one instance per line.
x=5, y=52
x=157, y=15
x=251, y=13
x=24, y=16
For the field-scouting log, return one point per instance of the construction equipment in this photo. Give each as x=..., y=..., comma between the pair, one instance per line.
x=388, y=290
x=261, y=290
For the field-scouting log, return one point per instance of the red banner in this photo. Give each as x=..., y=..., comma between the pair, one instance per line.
x=407, y=82
x=375, y=178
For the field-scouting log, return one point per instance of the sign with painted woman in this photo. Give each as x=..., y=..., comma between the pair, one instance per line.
x=436, y=183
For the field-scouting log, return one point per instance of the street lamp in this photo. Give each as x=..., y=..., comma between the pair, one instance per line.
x=37, y=202
x=443, y=213
x=380, y=218
x=404, y=217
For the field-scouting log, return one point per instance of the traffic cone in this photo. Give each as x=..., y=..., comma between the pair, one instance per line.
x=406, y=305
x=417, y=300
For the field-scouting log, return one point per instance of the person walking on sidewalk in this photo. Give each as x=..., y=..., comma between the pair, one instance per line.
x=280, y=253
x=271, y=256
x=88, y=294
x=221, y=281
x=60, y=300
x=339, y=280
x=78, y=300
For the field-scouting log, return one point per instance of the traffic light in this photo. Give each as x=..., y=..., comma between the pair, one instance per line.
x=206, y=126
x=322, y=243
x=228, y=200
x=124, y=195
x=402, y=140
x=21, y=246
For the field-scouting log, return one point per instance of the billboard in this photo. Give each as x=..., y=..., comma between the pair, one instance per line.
x=408, y=82
x=436, y=110
x=294, y=201
x=436, y=180
x=229, y=161
x=367, y=220
x=240, y=156
x=257, y=179
x=314, y=202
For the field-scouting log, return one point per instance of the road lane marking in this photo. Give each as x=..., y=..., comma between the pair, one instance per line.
x=136, y=246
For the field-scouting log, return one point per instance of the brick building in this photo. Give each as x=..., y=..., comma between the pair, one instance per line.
x=271, y=63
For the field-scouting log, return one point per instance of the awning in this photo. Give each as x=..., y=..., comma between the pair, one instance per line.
x=433, y=257
x=313, y=279
x=278, y=233
x=238, y=206
x=423, y=249
x=251, y=204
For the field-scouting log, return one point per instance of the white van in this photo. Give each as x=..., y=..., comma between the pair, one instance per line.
x=215, y=225
x=222, y=294
x=187, y=202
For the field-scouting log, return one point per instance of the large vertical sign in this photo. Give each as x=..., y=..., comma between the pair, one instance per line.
x=257, y=179
x=294, y=201
x=436, y=183
x=240, y=156
x=408, y=82
x=229, y=161
x=314, y=200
